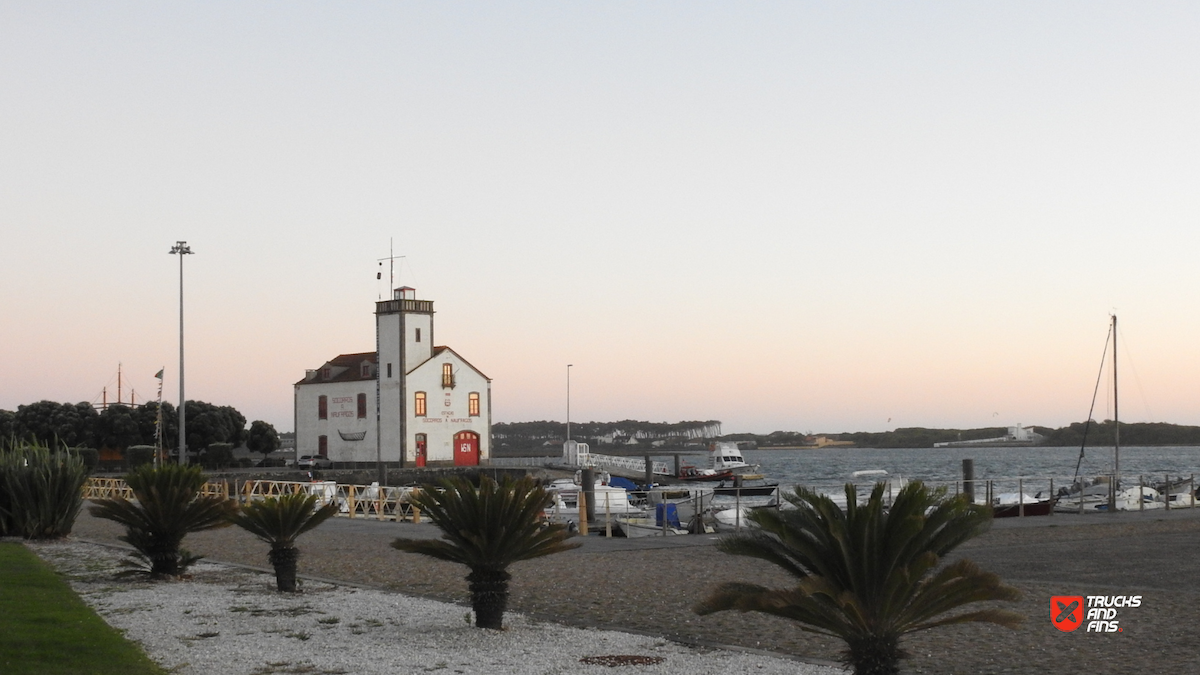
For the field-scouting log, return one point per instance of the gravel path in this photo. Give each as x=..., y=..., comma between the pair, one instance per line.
x=229, y=620
x=651, y=585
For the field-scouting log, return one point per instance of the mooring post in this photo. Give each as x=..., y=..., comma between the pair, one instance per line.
x=649, y=473
x=607, y=517
x=583, y=504
x=1021, y=497
x=969, y=479
x=1167, y=498
x=588, y=478
x=678, y=463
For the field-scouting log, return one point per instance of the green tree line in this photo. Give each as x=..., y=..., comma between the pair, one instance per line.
x=117, y=427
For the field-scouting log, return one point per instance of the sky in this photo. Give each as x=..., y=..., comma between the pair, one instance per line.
x=782, y=215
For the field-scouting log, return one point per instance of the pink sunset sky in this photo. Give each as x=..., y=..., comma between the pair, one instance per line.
x=794, y=216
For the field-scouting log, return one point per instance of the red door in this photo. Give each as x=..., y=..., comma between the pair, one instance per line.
x=421, y=443
x=466, y=448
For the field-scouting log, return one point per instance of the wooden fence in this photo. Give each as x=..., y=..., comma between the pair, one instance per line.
x=354, y=501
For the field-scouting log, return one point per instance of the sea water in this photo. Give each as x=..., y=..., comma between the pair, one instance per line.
x=828, y=468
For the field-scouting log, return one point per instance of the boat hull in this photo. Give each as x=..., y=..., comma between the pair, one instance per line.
x=636, y=528
x=752, y=491
x=1042, y=508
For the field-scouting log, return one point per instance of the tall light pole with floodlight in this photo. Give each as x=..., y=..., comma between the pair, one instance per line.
x=181, y=249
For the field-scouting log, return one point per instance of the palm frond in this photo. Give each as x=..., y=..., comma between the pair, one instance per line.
x=167, y=508
x=493, y=525
x=279, y=521
x=869, y=573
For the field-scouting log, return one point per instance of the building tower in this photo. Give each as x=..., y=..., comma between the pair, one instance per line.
x=404, y=340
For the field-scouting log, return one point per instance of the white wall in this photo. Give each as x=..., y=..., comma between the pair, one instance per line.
x=343, y=416
x=447, y=412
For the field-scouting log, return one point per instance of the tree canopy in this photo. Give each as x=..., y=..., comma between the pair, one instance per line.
x=262, y=437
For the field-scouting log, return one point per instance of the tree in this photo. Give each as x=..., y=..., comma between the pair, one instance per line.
x=146, y=417
x=866, y=575
x=56, y=424
x=279, y=522
x=208, y=423
x=117, y=429
x=487, y=529
x=262, y=438
x=168, y=508
x=8, y=427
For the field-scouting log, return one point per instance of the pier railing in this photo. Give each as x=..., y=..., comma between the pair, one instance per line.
x=353, y=501
x=635, y=465
x=117, y=488
x=1178, y=492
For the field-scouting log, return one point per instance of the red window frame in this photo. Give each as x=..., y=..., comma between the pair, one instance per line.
x=322, y=407
x=473, y=404
x=362, y=406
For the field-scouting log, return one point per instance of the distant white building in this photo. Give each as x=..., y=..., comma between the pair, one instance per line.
x=1017, y=435
x=408, y=403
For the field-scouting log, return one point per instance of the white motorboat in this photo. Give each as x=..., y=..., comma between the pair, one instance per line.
x=726, y=456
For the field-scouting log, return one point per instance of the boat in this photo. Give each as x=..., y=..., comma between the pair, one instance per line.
x=688, y=472
x=1012, y=505
x=747, y=490
x=1107, y=493
x=688, y=500
x=611, y=500
x=635, y=527
x=735, y=518
x=665, y=523
x=727, y=456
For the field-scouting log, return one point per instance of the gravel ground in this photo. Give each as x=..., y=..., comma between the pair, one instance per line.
x=650, y=586
x=229, y=620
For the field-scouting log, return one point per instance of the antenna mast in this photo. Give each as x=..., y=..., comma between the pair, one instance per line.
x=392, y=257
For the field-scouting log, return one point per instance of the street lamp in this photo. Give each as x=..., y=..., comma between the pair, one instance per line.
x=181, y=249
x=569, y=401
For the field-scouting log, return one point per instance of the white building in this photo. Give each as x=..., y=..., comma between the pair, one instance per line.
x=409, y=403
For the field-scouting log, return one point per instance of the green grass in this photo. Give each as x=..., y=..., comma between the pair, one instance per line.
x=45, y=629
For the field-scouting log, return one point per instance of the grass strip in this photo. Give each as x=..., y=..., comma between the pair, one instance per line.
x=46, y=629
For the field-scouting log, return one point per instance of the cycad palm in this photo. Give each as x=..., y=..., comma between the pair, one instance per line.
x=487, y=529
x=279, y=522
x=168, y=507
x=867, y=574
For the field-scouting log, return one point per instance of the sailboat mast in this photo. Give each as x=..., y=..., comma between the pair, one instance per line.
x=1116, y=412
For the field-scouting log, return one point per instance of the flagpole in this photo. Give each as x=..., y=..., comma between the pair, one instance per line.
x=158, y=436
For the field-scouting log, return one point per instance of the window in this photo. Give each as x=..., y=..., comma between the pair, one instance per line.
x=362, y=406
x=473, y=404
x=322, y=407
x=389, y=371
x=419, y=404
x=323, y=445
x=325, y=373
x=418, y=335
x=447, y=375
x=366, y=370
